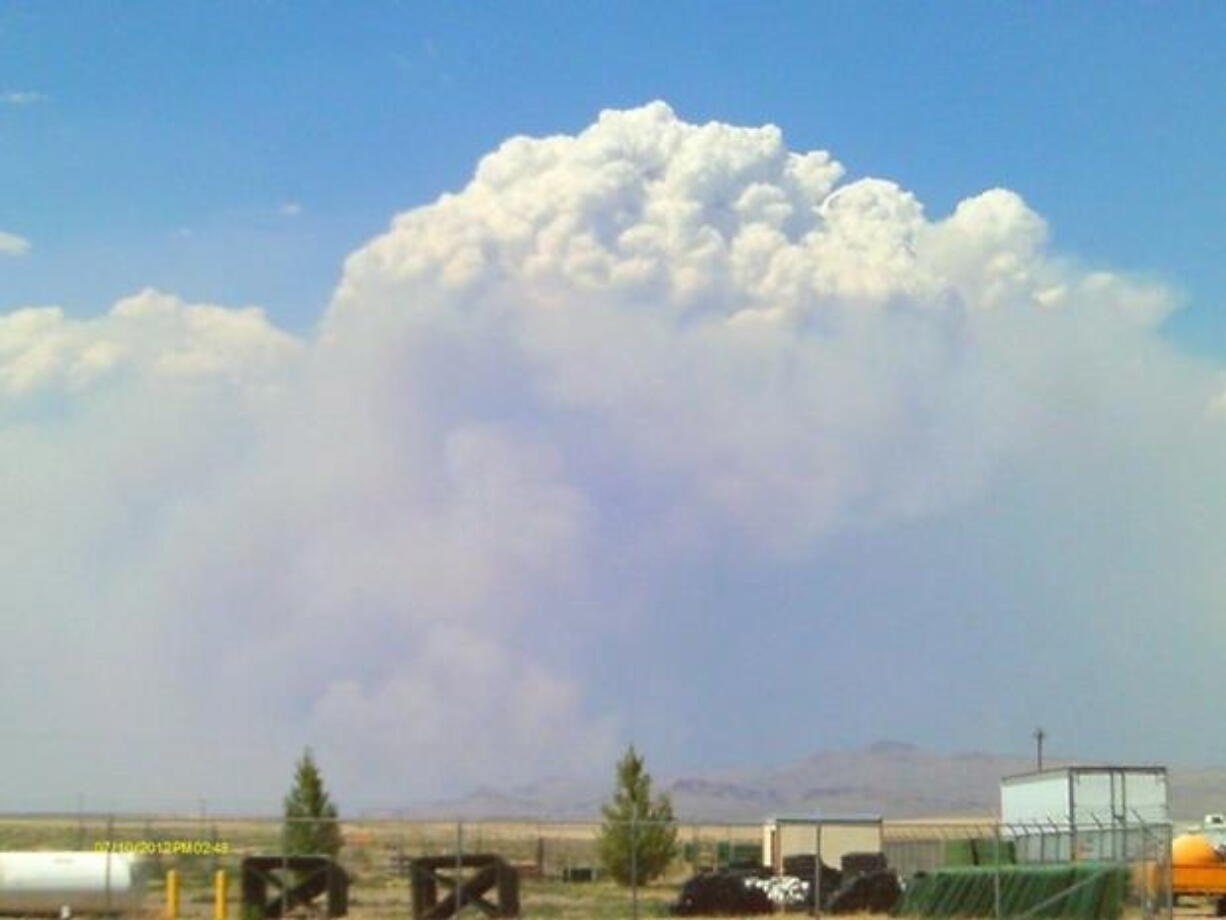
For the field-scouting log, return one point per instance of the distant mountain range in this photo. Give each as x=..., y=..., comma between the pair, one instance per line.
x=889, y=778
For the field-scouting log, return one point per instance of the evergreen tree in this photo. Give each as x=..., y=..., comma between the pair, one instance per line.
x=311, y=827
x=639, y=836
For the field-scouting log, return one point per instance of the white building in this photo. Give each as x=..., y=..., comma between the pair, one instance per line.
x=1084, y=813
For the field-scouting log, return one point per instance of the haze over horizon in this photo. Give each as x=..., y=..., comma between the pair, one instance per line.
x=897, y=780
x=642, y=411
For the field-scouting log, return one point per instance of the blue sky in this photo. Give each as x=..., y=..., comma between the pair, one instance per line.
x=655, y=428
x=207, y=119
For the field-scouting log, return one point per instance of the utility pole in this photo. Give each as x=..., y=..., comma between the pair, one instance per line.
x=1039, y=735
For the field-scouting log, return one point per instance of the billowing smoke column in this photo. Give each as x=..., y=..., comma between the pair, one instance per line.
x=614, y=389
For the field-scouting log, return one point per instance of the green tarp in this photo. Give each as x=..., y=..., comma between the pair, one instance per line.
x=959, y=853
x=1080, y=891
x=978, y=852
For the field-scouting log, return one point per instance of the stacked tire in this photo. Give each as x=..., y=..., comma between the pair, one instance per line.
x=714, y=894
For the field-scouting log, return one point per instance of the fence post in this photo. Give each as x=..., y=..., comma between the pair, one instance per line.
x=459, y=866
x=401, y=865
x=817, y=868
x=110, y=845
x=634, y=861
x=996, y=873
x=1169, y=861
x=1155, y=857
x=1102, y=837
x=285, y=866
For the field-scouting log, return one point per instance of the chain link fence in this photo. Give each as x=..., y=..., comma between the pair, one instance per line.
x=557, y=864
x=1139, y=851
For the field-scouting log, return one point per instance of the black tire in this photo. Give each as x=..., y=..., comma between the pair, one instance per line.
x=875, y=892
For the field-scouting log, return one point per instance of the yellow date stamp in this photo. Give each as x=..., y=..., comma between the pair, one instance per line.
x=164, y=847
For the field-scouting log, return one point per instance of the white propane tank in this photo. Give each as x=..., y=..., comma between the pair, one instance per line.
x=47, y=882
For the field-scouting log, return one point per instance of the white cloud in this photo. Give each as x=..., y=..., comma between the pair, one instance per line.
x=13, y=245
x=649, y=353
x=290, y=209
x=22, y=97
x=153, y=336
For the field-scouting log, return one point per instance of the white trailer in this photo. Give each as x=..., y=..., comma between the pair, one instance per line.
x=1076, y=813
x=833, y=838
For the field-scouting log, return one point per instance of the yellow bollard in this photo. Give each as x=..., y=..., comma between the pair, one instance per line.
x=172, y=895
x=219, y=895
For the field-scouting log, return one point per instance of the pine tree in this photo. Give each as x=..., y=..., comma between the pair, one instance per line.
x=638, y=839
x=311, y=827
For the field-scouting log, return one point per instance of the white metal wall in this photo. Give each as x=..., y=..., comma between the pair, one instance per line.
x=1042, y=797
x=1092, y=812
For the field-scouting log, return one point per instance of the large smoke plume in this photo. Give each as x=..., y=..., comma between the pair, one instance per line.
x=644, y=423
